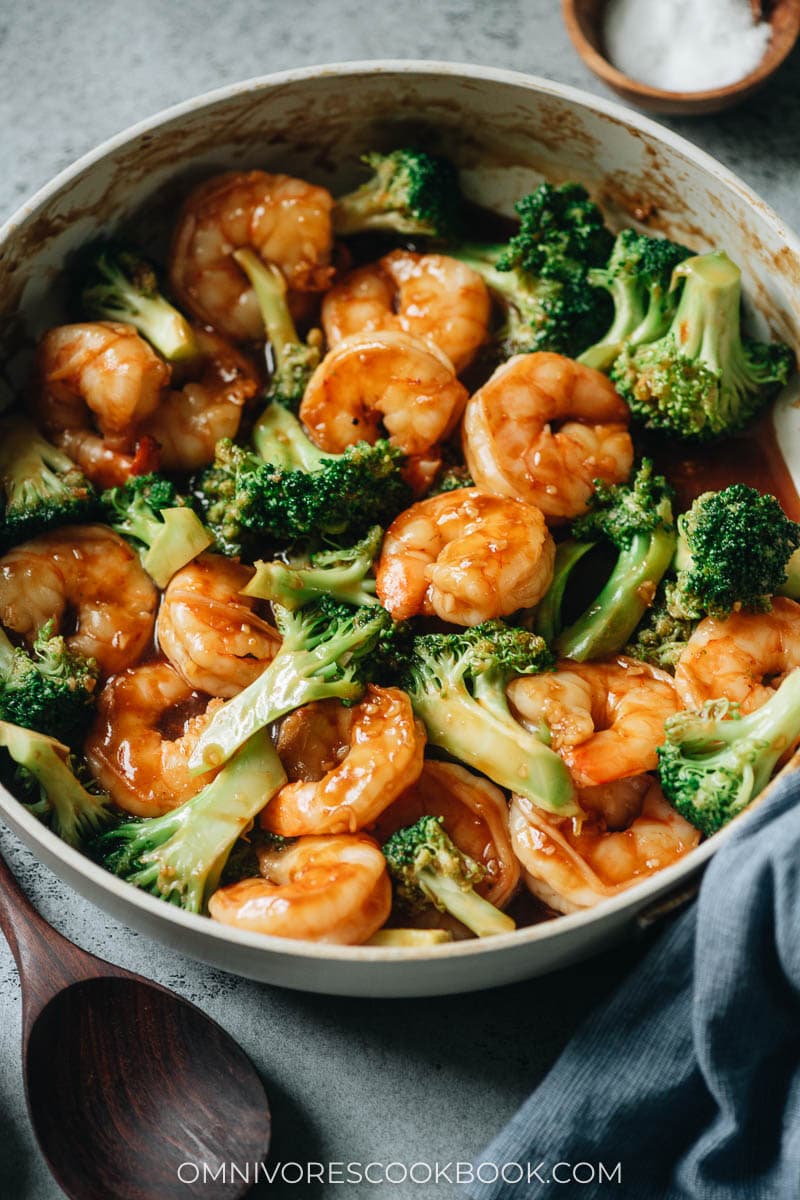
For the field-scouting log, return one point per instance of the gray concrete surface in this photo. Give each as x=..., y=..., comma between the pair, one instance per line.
x=349, y=1080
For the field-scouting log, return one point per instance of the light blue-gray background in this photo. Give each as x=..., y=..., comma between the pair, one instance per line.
x=349, y=1080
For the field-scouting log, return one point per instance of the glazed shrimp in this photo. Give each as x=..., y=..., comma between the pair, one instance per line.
x=85, y=577
x=211, y=633
x=629, y=833
x=319, y=889
x=203, y=405
x=465, y=556
x=145, y=772
x=388, y=379
x=740, y=657
x=475, y=815
x=605, y=719
x=428, y=295
x=383, y=755
x=106, y=399
x=286, y=221
x=510, y=445
x=99, y=382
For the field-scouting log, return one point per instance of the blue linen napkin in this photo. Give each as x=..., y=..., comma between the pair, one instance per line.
x=689, y=1077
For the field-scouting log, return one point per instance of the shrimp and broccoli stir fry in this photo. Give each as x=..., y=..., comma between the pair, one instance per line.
x=345, y=594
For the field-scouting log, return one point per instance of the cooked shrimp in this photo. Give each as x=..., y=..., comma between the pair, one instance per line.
x=144, y=771
x=572, y=866
x=319, y=889
x=106, y=400
x=428, y=295
x=203, y=405
x=605, y=719
x=383, y=756
x=387, y=379
x=475, y=815
x=99, y=382
x=90, y=582
x=741, y=657
x=211, y=633
x=286, y=221
x=465, y=556
x=511, y=447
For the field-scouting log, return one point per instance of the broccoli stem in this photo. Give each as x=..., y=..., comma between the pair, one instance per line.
x=75, y=813
x=547, y=620
x=179, y=538
x=478, y=735
x=281, y=441
x=408, y=938
x=295, y=677
x=121, y=285
x=630, y=322
x=464, y=904
x=609, y=622
x=6, y=653
x=292, y=587
x=183, y=853
x=269, y=286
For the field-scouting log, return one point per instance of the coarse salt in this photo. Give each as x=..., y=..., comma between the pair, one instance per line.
x=685, y=45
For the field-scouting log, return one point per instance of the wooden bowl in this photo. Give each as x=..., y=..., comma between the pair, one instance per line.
x=584, y=20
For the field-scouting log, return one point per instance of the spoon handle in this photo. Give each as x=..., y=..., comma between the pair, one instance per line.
x=46, y=961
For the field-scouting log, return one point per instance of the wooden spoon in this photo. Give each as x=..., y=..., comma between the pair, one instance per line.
x=125, y=1081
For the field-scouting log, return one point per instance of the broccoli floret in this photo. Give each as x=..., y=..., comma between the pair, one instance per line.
x=714, y=762
x=450, y=479
x=636, y=518
x=300, y=492
x=48, y=772
x=637, y=278
x=41, y=485
x=292, y=360
x=733, y=550
x=219, y=494
x=342, y=573
x=541, y=275
x=322, y=656
x=49, y=688
x=409, y=192
x=661, y=638
x=168, y=531
x=457, y=685
x=117, y=283
x=702, y=379
x=428, y=868
x=180, y=856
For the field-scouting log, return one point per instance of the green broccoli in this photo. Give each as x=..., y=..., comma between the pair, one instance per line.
x=660, y=638
x=636, y=518
x=450, y=479
x=321, y=656
x=409, y=192
x=299, y=492
x=637, y=278
x=169, y=532
x=734, y=547
x=428, y=868
x=41, y=485
x=218, y=492
x=180, y=856
x=714, y=762
x=47, y=771
x=293, y=360
x=342, y=573
x=541, y=277
x=116, y=283
x=457, y=685
x=702, y=379
x=49, y=688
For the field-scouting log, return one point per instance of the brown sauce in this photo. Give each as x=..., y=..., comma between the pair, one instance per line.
x=753, y=457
